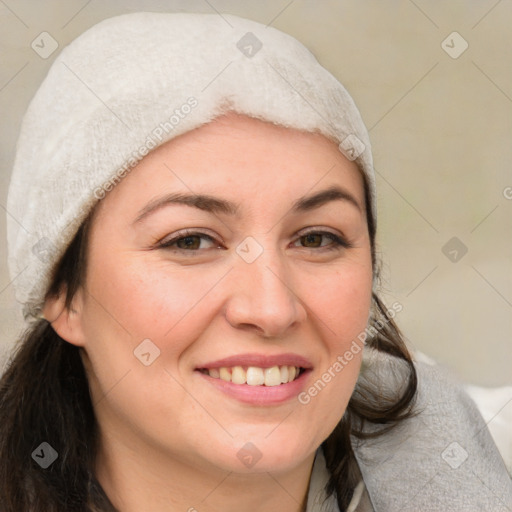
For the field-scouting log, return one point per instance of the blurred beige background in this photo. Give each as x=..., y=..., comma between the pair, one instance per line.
x=439, y=108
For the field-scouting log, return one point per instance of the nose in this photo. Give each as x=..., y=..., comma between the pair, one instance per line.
x=263, y=298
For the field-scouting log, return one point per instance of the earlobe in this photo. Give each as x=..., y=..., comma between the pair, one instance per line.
x=66, y=321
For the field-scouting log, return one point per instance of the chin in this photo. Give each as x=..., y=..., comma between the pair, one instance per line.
x=264, y=453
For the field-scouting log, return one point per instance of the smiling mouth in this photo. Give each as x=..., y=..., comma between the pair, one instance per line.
x=254, y=375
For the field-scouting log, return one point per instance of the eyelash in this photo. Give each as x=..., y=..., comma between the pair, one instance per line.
x=338, y=241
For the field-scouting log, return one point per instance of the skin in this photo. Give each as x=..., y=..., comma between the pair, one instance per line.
x=169, y=439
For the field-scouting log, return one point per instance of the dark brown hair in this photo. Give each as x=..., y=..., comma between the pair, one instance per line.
x=44, y=397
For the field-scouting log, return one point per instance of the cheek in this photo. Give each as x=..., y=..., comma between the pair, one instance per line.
x=137, y=299
x=131, y=301
x=342, y=300
x=341, y=304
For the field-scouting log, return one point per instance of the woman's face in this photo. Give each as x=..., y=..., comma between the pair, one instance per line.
x=267, y=272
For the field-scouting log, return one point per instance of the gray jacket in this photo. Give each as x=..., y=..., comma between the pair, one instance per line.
x=441, y=460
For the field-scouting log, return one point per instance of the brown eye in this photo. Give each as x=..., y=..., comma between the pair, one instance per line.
x=313, y=240
x=188, y=242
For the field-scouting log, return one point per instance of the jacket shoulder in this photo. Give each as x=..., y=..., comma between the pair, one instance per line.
x=442, y=458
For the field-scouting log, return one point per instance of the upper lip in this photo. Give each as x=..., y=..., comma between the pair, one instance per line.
x=259, y=360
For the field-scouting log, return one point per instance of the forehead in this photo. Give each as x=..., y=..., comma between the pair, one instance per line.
x=236, y=134
x=241, y=158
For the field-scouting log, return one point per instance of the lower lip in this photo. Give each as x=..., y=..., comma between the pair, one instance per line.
x=260, y=395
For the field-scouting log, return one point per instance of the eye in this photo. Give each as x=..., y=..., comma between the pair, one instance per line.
x=313, y=240
x=188, y=241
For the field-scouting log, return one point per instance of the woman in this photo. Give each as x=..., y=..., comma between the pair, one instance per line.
x=195, y=255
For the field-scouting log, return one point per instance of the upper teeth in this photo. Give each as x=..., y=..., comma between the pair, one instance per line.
x=255, y=376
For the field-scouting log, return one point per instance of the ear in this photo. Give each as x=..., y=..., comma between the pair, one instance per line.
x=66, y=322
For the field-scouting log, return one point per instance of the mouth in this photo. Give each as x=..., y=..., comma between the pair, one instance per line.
x=258, y=379
x=255, y=375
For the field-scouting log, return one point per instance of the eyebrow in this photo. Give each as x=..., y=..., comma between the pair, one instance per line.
x=215, y=205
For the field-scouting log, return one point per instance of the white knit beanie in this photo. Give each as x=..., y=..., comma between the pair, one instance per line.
x=133, y=82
